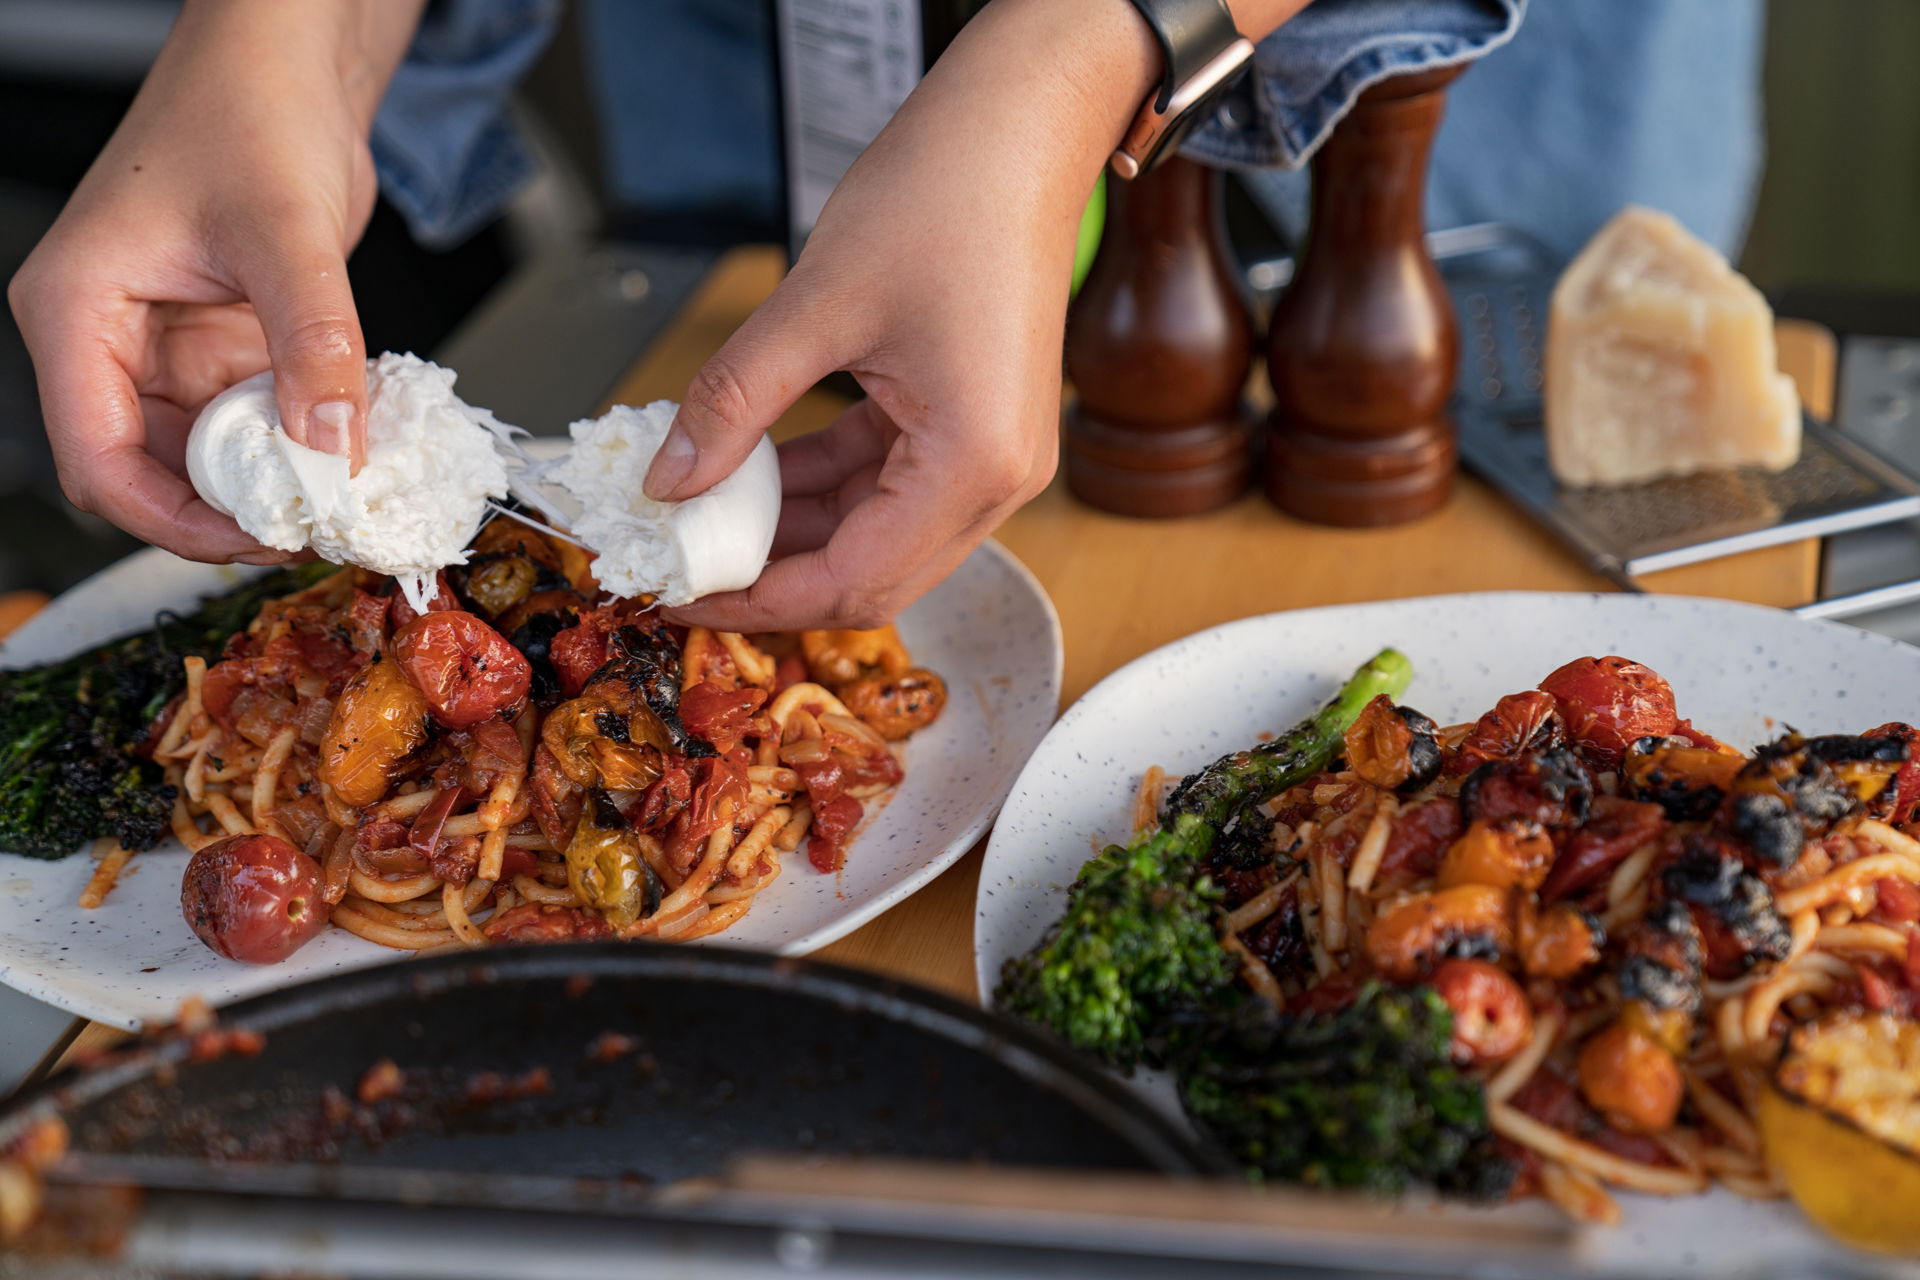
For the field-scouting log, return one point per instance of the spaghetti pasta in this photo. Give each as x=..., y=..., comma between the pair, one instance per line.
x=441, y=814
x=106, y=872
x=1619, y=905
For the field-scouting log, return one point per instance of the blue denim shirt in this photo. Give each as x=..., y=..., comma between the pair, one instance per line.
x=448, y=156
x=1596, y=103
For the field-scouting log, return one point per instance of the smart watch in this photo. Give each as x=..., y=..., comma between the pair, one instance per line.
x=1204, y=53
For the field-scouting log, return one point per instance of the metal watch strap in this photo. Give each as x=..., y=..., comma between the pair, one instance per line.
x=1203, y=51
x=1191, y=34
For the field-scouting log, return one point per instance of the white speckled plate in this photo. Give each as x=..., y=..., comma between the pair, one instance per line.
x=989, y=629
x=1739, y=671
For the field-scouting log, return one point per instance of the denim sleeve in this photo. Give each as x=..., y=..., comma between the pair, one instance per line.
x=1307, y=74
x=447, y=156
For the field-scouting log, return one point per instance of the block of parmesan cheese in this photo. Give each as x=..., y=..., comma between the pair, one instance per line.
x=1660, y=361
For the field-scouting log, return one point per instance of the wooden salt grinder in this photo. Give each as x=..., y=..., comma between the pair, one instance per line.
x=1159, y=343
x=1364, y=347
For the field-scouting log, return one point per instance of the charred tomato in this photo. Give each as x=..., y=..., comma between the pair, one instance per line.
x=1608, y=703
x=467, y=670
x=254, y=898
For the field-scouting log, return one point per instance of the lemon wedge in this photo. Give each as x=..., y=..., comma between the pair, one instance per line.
x=1841, y=1121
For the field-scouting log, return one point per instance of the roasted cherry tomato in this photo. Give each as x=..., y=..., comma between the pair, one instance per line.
x=255, y=899
x=1406, y=939
x=1608, y=703
x=577, y=653
x=1896, y=900
x=1904, y=803
x=896, y=705
x=532, y=922
x=468, y=671
x=608, y=738
x=380, y=720
x=1508, y=853
x=1491, y=1018
x=222, y=685
x=400, y=612
x=1518, y=722
x=720, y=716
x=1631, y=1080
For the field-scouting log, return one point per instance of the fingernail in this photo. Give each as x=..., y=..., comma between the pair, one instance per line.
x=671, y=465
x=330, y=427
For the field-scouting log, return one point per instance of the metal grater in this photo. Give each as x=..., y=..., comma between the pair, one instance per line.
x=1625, y=531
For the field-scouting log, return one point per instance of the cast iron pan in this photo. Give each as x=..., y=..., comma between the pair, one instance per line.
x=660, y=1063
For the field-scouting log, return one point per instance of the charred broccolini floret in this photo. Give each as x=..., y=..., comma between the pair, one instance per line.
x=1364, y=1099
x=1135, y=946
x=68, y=730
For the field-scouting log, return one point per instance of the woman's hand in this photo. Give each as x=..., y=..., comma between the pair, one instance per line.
x=938, y=275
x=209, y=239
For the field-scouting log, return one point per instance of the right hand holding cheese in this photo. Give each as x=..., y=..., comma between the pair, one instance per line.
x=1661, y=361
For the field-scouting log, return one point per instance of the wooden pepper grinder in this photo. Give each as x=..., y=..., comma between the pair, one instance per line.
x=1159, y=343
x=1363, y=347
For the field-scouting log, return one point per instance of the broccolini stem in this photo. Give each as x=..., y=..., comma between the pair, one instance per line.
x=1218, y=793
x=1388, y=671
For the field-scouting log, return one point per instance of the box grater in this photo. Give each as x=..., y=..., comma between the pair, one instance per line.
x=1501, y=285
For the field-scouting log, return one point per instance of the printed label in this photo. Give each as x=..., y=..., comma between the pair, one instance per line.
x=846, y=66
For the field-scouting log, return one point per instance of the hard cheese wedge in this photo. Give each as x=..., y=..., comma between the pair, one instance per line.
x=1660, y=361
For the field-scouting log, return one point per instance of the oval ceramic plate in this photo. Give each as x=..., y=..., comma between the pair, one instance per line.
x=989, y=630
x=1739, y=671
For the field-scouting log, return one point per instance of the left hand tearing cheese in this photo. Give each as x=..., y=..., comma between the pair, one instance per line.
x=431, y=467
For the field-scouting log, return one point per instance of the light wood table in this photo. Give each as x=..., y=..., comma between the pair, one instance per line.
x=1125, y=586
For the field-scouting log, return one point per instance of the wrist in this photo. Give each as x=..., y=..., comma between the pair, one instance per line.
x=1080, y=68
x=353, y=46
x=1068, y=75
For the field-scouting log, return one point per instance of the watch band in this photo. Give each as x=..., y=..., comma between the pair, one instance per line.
x=1203, y=52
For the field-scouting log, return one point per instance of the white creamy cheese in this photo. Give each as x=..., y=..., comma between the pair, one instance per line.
x=678, y=551
x=431, y=466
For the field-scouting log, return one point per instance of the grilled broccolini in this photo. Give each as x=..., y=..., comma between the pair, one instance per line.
x=1364, y=1099
x=1219, y=793
x=1135, y=947
x=68, y=730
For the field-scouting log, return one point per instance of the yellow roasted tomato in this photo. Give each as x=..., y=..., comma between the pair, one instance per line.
x=380, y=720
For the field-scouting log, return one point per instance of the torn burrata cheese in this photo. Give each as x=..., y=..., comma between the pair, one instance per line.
x=432, y=464
x=678, y=551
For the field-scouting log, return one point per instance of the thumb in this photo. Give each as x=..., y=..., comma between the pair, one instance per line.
x=319, y=359
x=769, y=363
